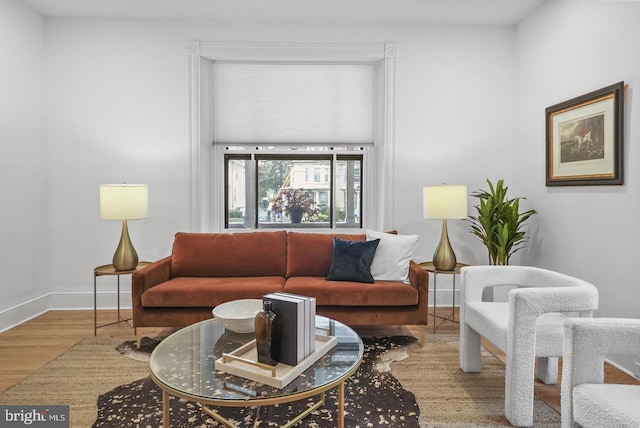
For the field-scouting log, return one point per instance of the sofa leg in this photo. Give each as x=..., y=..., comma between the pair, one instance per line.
x=422, y=332
x=139, y=332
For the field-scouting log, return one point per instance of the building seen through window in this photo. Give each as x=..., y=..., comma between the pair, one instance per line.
x=289, y=191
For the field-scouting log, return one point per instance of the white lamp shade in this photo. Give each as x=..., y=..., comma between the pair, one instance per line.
x=445, y=201
x=124, y=201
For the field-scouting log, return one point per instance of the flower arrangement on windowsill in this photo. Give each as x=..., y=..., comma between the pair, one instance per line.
x=297, y=204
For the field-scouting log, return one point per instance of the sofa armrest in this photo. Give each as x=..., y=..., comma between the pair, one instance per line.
x=143, y=279
x=419, y=279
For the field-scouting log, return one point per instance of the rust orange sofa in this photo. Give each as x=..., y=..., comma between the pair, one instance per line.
x=207, y=269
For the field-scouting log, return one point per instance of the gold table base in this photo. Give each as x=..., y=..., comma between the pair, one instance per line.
x=166, y=408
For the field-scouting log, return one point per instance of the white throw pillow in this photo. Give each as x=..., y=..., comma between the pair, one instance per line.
x=391, y=262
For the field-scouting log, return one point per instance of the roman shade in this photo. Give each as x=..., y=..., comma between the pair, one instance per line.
x=277, y=103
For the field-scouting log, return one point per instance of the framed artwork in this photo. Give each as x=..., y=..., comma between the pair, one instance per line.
x=585, y=139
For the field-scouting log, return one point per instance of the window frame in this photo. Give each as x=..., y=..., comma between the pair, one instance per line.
x=252, y=221
x=205, y=162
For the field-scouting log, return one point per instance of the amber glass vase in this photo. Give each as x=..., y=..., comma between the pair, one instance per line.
x=264, y=323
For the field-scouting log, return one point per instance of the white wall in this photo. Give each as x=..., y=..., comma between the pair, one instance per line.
x=470, y=105
x=117, y=111
x=456, y=97
x=567, y=49
x=24, y=245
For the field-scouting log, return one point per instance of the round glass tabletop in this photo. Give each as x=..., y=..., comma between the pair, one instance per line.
x=184, y=362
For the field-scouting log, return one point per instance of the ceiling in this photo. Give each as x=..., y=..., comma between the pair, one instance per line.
x=480, y=12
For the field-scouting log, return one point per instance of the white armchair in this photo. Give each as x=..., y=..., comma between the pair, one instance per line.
x=586, y=400
x=527, y=327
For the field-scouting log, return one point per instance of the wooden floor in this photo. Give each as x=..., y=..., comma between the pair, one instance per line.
x=31, y=345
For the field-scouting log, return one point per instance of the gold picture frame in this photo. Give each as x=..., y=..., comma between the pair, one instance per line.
x=584, y=139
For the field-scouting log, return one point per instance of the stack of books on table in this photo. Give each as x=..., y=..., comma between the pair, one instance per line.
x=295, y=327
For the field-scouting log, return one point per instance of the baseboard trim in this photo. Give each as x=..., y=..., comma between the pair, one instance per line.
x=23, y=312
x=84, y=300
x=621, y=368
x=445, y=297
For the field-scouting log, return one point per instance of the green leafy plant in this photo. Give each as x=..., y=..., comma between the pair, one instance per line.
x=499, y=223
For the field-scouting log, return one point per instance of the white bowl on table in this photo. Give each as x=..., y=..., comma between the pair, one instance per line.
x=238, y=315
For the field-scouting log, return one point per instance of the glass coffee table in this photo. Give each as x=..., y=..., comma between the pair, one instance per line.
x=182, y=365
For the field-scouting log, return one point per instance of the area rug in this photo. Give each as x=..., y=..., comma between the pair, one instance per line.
x=77, y=378
x=373, y=398
x=449, y=398
x=446, y=397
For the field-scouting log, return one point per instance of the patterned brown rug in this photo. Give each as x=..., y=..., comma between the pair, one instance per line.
x=373, y=398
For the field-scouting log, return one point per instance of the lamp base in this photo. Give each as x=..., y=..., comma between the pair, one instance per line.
x=444, y=258
x=125, y=257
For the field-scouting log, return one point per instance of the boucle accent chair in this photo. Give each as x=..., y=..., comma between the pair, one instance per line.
x=527, y=327
x=586, y=400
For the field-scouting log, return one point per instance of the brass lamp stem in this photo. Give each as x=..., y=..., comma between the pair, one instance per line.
x=444, y=257
x=125, y=257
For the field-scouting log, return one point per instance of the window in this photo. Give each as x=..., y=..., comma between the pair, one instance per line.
x=324, y=199
x=294, y=113
x=275, y=190
x=210, y=199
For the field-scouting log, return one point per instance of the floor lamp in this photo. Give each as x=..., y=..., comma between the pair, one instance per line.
x=445, y=202
x=124, y=202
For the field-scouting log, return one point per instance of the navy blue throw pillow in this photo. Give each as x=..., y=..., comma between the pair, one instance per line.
x=352, y=260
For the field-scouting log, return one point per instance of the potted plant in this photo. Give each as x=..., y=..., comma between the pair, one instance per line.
x=296, y=203
x=499, y=223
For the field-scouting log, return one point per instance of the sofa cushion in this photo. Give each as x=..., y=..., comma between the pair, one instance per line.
x=229, y=254
x=345, y=293
x=391, y=262
x=310, y=254
x=352, y=260
x=209, y=292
